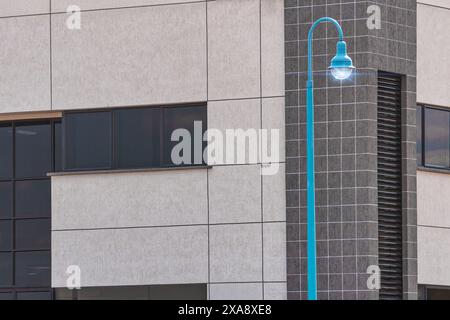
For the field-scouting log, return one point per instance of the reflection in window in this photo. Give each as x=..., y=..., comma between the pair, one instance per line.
x=33, y=150
x=32, y=269
x=437, y=137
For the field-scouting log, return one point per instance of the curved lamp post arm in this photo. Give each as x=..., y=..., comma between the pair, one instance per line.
x=310, y=40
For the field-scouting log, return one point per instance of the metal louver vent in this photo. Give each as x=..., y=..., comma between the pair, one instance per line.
x=390, y=186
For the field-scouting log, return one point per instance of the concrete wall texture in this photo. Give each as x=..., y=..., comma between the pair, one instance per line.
x=433, y=17
x=225, y=226
x=433, y=228
x=433, y=67
x=346, y=144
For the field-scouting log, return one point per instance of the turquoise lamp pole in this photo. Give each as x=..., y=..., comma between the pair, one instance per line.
x=341, y=68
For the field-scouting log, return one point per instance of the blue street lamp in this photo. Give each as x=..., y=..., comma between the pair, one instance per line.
x=341, y=68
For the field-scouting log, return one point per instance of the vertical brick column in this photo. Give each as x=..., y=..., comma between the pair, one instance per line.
x=346, y=143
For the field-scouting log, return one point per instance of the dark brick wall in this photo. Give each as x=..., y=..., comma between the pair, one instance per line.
x=346, y=143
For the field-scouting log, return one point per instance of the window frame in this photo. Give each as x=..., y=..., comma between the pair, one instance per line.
x=428, y=288
x=113, y=140
x=420, y=131
x=422, y=163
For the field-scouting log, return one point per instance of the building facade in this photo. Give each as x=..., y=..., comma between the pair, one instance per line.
x=433, y=18
x=90, y=195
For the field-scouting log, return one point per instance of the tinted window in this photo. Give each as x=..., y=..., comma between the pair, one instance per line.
x=438, y=294
x=5, y=235
x=88, y=140
x=6, y=296
x=33, y=150
x=113, y=293
x=437, y=135
x=5, y=200
x=32, y=234
x=33, y=199
x=419, y=144
x=58, y=146
x=184, y=118
x=6, y=272
x=178, y=292
x=154, y=292
x=46, y=295
x=6, y=153
x=138, y=138
x=64, y=294
x=33, y=268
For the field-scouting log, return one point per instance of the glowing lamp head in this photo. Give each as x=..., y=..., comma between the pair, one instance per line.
x=341, y=65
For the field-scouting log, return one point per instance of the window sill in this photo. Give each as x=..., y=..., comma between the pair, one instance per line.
x=435, y=170
x=73, y=173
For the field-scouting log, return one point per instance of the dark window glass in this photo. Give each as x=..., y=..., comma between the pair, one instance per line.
x=113, y=293
x=65, y=294
x=33, y=199
x=88, y=140
x=6, y=153
x=45, y=295
x=32, y=234
x=155, y=292
x=6, y=296
x=138, y=138
x=437, y=137
x=5, y=235
x=184, y=118
x=438, y=294
x=6, y=269
x=58, y=146
x=178, y=292
x=419, y=144
x=5, y=200
x=33, y=150
x=28, y=151
x=142, y=138
x=33, y=269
